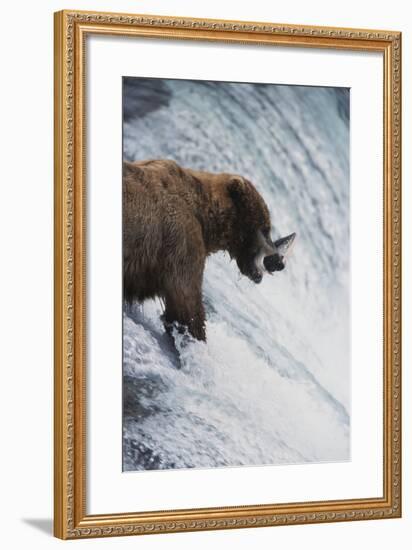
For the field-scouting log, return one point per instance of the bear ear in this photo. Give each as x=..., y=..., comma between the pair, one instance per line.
x=236, y=187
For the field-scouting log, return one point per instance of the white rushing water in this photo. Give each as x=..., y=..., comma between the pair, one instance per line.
x=271, y=385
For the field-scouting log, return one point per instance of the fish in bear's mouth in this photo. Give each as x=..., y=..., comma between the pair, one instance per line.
x=272, y=262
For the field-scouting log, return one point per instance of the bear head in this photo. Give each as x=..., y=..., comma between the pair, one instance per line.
x=251, y=244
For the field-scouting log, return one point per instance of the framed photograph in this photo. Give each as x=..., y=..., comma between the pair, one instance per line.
x=227, y=274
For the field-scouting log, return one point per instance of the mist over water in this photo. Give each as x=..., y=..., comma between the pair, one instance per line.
x=271, y=385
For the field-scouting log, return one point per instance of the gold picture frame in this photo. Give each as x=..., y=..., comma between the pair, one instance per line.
x=70, y=518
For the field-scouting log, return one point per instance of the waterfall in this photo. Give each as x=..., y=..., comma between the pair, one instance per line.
x=272, y=383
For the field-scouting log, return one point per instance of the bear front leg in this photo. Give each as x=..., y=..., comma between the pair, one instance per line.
x=185, y=309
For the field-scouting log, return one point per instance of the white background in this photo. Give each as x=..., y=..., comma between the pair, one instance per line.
x=26, y=275
x=110, y=490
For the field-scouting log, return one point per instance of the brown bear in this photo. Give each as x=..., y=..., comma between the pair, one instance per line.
x=173, y=218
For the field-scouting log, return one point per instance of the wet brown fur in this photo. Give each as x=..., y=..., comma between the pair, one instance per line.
x=173, y=218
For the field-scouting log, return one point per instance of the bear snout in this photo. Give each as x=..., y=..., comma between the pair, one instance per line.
x=257, y=277
x=251, y=270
